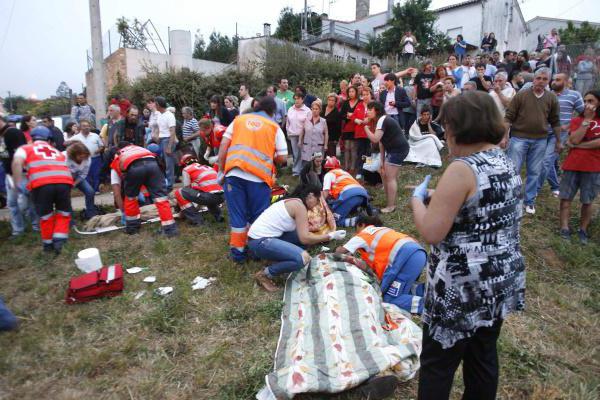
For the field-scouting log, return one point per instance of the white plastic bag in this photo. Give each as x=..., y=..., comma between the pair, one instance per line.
x=373, y=163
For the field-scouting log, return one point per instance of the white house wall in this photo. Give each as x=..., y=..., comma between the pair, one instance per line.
x=365, y=25
x=465, y=20
x=508, y=28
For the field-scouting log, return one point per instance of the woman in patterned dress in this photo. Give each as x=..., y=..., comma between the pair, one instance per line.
x=476, y=273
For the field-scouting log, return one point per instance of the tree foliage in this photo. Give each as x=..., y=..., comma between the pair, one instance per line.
x=585, y=33
x=63, y=90
x=414, y=16
x=53, y=106
x=133, y=34
x=289, y=25
x=220, y=48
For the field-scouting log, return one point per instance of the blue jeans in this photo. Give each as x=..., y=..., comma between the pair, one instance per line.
x=286, y=250
x=89, y=193
x=93, y=176
x=346, y=203
x=19, y=205
x=531, y=152
x=170, y=162
x=549, y=166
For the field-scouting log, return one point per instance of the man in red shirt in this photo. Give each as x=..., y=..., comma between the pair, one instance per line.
x=50, y=183
x=581, y=167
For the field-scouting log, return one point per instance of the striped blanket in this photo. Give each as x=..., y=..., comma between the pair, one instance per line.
x=336, y=332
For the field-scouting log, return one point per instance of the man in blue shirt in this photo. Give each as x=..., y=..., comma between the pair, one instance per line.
x=281, y=108
x=569, y=101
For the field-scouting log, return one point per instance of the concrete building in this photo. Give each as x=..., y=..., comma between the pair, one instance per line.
x=471, y=18
x=543, y=25
x=131, y=64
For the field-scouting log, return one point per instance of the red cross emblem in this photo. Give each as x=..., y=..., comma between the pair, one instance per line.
x=46, y=152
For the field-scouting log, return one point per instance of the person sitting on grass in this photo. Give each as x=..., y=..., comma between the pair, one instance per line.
x=425, y=141
x=343, y=193
x=396, y=259
x=313, y=173
x=581, y=167
x=281, y=233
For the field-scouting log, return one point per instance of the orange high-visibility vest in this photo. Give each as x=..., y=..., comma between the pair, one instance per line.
x=131, y=153
x=203, y=178
x=343, y=181
x=45, y=165
x=253, y=146
x=383, y=245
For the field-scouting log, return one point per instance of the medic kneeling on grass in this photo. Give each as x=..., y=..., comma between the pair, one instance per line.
x=200, y=186
x=50, y=183
x=343, y=193
x=396, y=259
x=137, y=167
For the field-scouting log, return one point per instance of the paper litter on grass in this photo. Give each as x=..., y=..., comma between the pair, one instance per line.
x=134, y=270
x=163, y=291
x=150, y=279
x=139, y=294
x=201, y=283
x=325, y=248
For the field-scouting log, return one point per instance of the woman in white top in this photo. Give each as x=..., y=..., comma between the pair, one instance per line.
x=280, y=233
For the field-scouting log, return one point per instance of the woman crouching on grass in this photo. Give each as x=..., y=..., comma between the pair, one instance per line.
x=476, y=273
x=281, y=233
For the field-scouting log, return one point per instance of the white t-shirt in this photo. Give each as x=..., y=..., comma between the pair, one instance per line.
x=280, y=150
x=508, y=92
x=115, y=179
x=390, y=110
x=273, y=222
x=408, y=46
x=245, y=105
x=380, y=122
x=165, y=121
x=355, y=243
x=92, y=141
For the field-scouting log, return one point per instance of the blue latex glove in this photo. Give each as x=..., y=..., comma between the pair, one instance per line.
x=420, y=191
x=123, y=219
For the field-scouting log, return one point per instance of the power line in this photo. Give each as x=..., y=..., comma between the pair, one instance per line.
x=12, y=8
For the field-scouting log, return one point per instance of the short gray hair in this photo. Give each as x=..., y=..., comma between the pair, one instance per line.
x=114, y=107
x=470, y=83
x=543, y=71
x=502, y=74
x=187, y=109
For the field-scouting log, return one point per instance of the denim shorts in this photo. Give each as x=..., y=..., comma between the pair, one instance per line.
x=588, y=184
x=395, y=158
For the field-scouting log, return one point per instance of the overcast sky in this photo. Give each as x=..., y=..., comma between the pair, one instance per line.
x=44, y=42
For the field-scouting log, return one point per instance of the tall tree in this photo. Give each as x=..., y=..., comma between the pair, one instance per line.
x=63, y=90
x=220, y=48
x=199, y=46
x=289, y=25
x=133, y=34
x=584, y=34
x=414, y=16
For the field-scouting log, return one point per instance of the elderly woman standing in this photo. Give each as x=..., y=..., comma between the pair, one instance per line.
x=476, y=273
x=315, y=137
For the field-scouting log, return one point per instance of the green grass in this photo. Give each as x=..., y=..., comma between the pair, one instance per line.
x=219, y=343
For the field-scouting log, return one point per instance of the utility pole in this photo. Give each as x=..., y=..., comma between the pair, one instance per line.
x=10, y=107
x=97, y=60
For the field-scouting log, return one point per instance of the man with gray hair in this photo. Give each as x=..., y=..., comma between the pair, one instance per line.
x=528, y=116
x=502, y=92
x=469, y=86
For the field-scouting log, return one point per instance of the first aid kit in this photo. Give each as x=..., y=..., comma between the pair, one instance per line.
x=106, y=282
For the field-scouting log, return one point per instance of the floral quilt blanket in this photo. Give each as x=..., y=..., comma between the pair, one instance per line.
x=336, y=332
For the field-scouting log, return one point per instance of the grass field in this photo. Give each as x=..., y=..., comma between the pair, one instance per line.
x=218, y=343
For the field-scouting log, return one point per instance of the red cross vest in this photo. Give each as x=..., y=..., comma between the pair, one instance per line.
x=131, y=153
x=203, y=178
x=45, y=165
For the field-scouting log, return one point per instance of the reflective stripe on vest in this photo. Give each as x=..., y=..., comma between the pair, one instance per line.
x=45, y=165
x=383, y=244
x=253, y=146
x=131, y=153
x=343, y=181
x=203, y=178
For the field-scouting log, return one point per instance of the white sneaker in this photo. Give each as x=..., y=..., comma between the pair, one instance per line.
x=555, y=193
x=530, y=209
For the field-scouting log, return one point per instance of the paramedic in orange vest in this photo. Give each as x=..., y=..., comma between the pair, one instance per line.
x=200, y=186
x=251, y=146
x=396, y=259
x=138, y=167
x=343, y=193
x=50, y=183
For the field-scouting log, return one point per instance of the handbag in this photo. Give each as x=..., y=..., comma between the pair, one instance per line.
x=106, y=282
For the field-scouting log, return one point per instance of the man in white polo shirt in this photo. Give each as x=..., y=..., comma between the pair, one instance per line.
x=96, y=147
x=167, y=138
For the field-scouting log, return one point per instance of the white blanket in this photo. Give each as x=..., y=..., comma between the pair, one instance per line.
x=424, y=149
